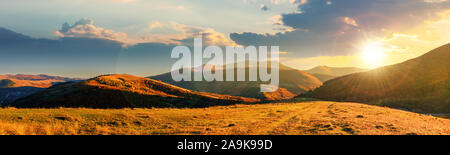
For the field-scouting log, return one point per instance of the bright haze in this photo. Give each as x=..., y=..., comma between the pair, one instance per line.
x=86, y=38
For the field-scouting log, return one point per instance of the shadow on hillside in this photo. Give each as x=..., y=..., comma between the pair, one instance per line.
x=97, y=98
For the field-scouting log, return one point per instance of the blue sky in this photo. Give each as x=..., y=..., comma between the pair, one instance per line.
x=41, y=18
x=90, y=37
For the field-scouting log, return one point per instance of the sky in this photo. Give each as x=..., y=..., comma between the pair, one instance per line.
x=85, y=38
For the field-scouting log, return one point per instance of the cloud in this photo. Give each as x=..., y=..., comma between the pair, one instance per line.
x=263, y=7
x=350, y=21
x=209, y=35
x=171, y=7
x=154, y=24
x=333, y=27
x=275, y=2
x=182, y=34
x=81, y=57
x=435, y=1
x=124, y=1
x=277, y=20
x=298, y=2
x=85, y=28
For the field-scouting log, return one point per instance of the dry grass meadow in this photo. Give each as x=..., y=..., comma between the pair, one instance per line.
x=308, y=118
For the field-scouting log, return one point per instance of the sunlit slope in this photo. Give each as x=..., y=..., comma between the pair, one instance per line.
x=419, y=84
x=30, y=83
x=119, y=91
x=13, y=87
x=292, y=83
x=37, y=81
x=309, y=118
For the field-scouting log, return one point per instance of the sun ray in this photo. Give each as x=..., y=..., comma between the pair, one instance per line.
x=373, y=54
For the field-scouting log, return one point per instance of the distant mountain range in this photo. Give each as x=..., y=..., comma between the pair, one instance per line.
x=292, y=83
x=323, y=77
x=122, y=91
x=419, y=84
x=38, y=81
x=13, y=87
x=334, y=71
x=37, y=77
x=325, y=73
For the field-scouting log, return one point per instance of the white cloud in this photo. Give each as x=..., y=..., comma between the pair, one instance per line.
x=435, y=1
x=85, y=28
x=182, y=34
x=155, y=24
x=209, y=35
x=124, y=1
x=263, y=7
x=299, y=2
x=277, y=20
x=350, y=21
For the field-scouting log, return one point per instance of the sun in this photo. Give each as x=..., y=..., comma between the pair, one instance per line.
x=373, y=54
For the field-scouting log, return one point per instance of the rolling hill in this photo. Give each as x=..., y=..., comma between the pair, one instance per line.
x=325, y=73
x=419, y=84
x=292, y=83
x=123, y=91
x=9, y=95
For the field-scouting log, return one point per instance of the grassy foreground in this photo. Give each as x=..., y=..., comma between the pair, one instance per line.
x=281, y=118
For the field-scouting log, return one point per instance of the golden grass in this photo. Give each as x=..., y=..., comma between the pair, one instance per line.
x=282, y=118
x=31, y=83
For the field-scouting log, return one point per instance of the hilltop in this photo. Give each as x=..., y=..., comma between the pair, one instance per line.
x=419, y=84
x=292, y=83
x=122, y=91
x=307, y=118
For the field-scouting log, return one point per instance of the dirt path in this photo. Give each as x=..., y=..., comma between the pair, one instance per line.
x=302, y=112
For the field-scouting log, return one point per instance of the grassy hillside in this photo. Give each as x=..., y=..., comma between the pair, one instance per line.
x=120, y=91
x=317, y=118
x=9, y=95
x=34, y=83
x=292, y=83
x=419, y=84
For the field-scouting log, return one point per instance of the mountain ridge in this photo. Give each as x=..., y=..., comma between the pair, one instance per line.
x=420, y=84
x=123, y=91
x=292, y=83
x=334, y=71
